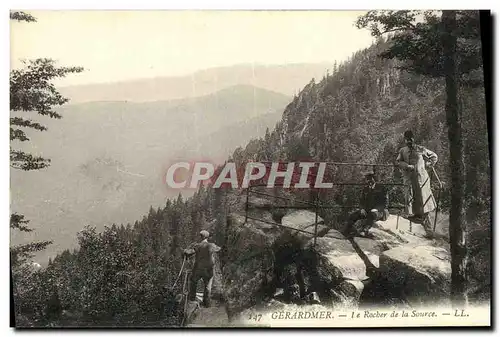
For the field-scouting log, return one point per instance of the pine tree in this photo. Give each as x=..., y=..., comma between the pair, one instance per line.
x=31, y=90
x=457, y=223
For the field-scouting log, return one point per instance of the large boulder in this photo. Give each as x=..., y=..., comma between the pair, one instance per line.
x=300, y=219
x=264, y=207
x=333, y=233
x=261, y=209
x=246, y=280
x=217, y=286
x=421, y=274
x=338, y=260
x=337, y=267
x=386, y=239
x=348, y=293
x=300, y=228
x=249, y=267
x=344, y=266
x=302, y=225
x=368, y=246
x=403, y=229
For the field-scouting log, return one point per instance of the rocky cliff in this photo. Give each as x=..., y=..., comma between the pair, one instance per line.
x=267, y=265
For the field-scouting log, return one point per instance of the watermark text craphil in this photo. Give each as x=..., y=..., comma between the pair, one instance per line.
x=298, y=175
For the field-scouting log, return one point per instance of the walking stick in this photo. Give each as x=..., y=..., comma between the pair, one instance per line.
x=185, y=292
x=180, y=272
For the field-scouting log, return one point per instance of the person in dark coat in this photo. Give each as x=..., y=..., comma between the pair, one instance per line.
x=374, y=204
x=203, y=266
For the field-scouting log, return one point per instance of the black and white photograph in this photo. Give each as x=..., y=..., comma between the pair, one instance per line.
x=250, y=168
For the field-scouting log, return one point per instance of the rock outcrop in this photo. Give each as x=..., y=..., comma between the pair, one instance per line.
x=258, y=254
x=304, y=222
x=422, y=273
x=250, y=263
x=285, y=264
x=337, y=267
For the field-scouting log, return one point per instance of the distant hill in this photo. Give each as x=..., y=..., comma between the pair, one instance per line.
x=109, y=158
x=286, y=79
x=221, y=143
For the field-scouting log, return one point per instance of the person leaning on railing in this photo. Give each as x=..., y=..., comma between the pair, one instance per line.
x=413, y=159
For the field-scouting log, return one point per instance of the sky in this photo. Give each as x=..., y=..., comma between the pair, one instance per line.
x=124, y=45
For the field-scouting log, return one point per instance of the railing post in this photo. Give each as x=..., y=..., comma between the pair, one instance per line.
x=246, y=204
x=316, y=219
x=437, y=210
x=439, y=197
x=408, y=201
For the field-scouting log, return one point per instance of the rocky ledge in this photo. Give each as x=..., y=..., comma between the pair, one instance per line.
x=393, y=265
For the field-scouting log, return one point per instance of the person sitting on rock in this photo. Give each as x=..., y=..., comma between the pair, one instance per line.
x=374, y=206
x=203, y=266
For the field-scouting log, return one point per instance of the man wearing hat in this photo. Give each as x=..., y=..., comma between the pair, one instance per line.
x=203, y=266
x=374, y=206
x=413, y=159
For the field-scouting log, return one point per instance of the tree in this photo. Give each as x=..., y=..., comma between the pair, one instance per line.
x=457, y=224
x=21, y=254
x=31, y=90
x=418, y=41
x=431, y=47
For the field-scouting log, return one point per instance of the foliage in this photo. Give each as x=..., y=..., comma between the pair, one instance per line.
x=419, y=42
x=22, y=16
x=31, y=90
x=123, y=275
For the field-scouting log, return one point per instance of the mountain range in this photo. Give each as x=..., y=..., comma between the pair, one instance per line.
x=108, y=159
x=287, y=79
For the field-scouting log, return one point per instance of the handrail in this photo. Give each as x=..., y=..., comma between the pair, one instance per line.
x=334, y=163
x=277, y=196
x=316, y=205
x=336, y=184
x=275, y=223
x=319, y=207
x=280, y=225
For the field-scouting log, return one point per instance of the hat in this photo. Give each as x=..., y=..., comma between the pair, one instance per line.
x=408, y=134
x=205, y=234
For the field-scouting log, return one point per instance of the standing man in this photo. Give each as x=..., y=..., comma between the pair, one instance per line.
x=413, y=159
x=374, y=206
x=203, y=266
